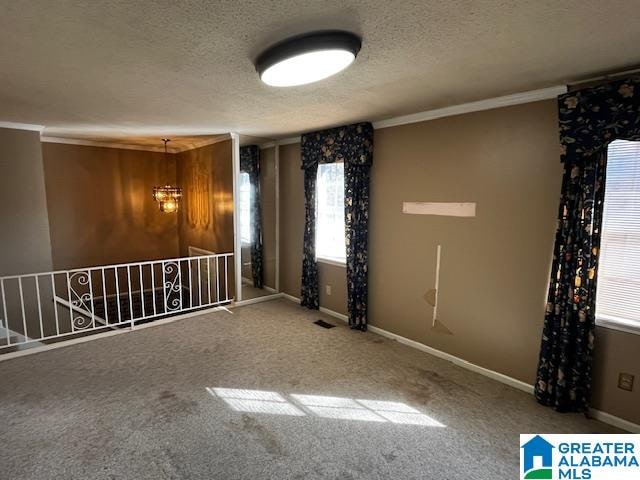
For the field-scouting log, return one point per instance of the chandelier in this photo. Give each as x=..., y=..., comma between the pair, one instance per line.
x=167, y=196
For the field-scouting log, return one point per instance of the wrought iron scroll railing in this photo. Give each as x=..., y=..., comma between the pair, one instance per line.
x=43, y=307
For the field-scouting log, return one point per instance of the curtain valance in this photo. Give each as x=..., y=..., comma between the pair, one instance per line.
x=351, y=143
x=592, y=118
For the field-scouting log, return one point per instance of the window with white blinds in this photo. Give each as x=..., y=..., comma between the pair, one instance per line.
x=330, y=240
x=618, y=293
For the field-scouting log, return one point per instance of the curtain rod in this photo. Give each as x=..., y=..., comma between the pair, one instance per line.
x=606, y=76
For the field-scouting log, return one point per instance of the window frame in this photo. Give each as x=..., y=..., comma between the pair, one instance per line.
x=620, y=325
x=609, y=321
x=321, y=258
x=241, y=179
x=332, y=261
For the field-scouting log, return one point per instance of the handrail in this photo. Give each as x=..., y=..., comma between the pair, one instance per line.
x=115, y=265
x=62, y=303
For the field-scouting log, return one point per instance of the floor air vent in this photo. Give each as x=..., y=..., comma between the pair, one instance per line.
x=323, y=324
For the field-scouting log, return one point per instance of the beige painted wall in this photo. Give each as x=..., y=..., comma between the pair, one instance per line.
x=291, y=219
x=291, y=234
x=24, y=223
x=101, y=209
x=495, y=267
x=335, y=277
x=24, y=226
x=616, y=352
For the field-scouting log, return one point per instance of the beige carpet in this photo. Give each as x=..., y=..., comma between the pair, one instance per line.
x=260, y=393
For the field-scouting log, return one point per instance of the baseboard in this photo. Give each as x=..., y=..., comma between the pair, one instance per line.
x=340, y=316
x=520, y=385
x=251, y=301
x=605, y=417
x=331, y=313
x=290, y=297
x=246, y=281
x=500, y=377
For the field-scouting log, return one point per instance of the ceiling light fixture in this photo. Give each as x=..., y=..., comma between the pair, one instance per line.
x=167, y=196
x=307, y=58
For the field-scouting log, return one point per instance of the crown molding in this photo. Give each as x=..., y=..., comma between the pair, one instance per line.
x=127, y=146
x=93, y=143
x=22, y=126
x=284, y=141
x=480, y=105
x=203, y=143
x=288, y=141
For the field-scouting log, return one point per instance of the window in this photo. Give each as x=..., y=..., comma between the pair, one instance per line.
x=618, y=293
x=245, y=208
x=330, y=242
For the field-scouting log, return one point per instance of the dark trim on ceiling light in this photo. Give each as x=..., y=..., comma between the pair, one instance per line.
x=308, y=42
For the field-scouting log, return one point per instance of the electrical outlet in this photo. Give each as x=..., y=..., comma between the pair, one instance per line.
x=625, y=381
x=327, y=289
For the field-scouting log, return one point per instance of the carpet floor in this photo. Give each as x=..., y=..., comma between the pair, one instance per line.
x=260, y=393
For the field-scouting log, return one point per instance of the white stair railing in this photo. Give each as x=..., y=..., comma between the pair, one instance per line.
x=42, y=307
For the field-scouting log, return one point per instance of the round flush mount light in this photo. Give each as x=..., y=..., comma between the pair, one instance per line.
x=307, y=58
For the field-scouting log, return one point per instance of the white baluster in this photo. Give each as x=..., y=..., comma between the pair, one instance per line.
x=24, y=315
x=104, y=298
x=115, y=274
x=130, y=295
x=217, y=280
x=55, y=302
x=190, y=285
x=226, y=279
x=141, y=291
x=93, y=313
x=39, y=306
x=209, y=279
x=199, y=282
x=4, y=309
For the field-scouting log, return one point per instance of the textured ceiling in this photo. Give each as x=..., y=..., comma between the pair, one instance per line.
x=185, y=68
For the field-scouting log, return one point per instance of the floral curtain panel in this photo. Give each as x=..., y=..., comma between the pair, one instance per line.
x=309, y=296
x=353, y=145
x=250, y=163
x=589, y=120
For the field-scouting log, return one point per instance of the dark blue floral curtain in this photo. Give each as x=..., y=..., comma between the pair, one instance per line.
x=250, y=163
x=356, y=209
x=589, y=120
x=309, y=296
x=353, y=145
